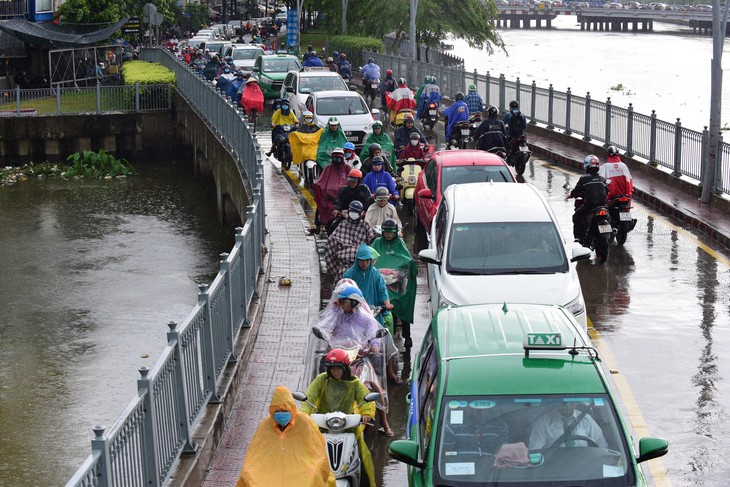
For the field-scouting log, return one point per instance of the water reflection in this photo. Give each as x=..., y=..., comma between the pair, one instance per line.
x=91, y=272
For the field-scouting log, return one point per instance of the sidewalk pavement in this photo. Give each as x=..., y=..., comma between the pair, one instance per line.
x=277, y=357
x=668, y=195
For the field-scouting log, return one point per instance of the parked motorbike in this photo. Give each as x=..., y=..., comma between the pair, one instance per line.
x=619, y=210
x=598, y=231
x=343, y=451
x=430, y=116
x=371, y=90
x=520, y=155
x=409, y=170
x=283, y=147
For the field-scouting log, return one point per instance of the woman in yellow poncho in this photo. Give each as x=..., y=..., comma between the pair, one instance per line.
x=287, y=449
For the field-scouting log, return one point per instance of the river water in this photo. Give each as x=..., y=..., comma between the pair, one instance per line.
x=91, y=272
x=667, y=70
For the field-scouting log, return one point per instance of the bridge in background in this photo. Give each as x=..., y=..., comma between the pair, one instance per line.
x=602, y=19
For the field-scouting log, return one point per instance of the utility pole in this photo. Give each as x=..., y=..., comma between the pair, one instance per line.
x=344, y=17
x=719, y=25
x=412, y=38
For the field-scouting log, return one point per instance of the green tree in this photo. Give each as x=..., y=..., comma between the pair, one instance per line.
x=89, y=11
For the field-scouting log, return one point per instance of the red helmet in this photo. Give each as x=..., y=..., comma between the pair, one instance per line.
x=388, y=72
x=336, y=358
x=408, y=116
x=355, y=173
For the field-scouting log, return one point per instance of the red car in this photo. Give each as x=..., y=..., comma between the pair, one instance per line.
x=455, y=167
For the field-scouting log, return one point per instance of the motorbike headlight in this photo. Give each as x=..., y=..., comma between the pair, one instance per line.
x=576, y=306
x=336, y=423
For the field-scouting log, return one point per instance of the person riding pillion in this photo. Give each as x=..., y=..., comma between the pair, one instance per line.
x=593, y=189
x=457, y=112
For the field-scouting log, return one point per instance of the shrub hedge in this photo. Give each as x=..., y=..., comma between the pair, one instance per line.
x=143, y=72
x=354, y=46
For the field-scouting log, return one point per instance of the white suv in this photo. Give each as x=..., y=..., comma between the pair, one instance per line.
x=496, y=243
x=298, y=85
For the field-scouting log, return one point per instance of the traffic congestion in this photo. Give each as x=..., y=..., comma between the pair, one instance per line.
x=541, y=410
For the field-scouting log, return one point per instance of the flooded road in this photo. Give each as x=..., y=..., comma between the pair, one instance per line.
x=91, y=273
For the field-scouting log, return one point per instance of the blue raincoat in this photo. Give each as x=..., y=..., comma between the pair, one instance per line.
x=370, y=281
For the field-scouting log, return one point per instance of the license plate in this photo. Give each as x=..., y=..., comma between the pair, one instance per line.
x=353, y=138
x=465, y=132
x=432, y=112
x=625, y=216
x=411, y=179
x=605, y=228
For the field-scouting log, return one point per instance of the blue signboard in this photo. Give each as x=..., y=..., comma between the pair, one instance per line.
x=292, y=28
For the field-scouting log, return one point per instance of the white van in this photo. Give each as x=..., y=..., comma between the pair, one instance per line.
x=499, y=243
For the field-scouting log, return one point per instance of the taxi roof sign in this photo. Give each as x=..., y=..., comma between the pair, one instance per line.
x=543, y=341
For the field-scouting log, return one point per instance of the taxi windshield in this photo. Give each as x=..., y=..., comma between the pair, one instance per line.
x=505, y=248
x=535, y=440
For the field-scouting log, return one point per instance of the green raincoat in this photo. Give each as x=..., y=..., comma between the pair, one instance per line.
x=386, y=143
x=399, y=271
x=328, y=140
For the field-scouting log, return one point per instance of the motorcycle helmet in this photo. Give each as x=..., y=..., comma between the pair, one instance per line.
x=333, y=122
x=377, y=160
x=330, y=59
x=373, y=147
x=591, y=162
x=382, y=193
x=308, y=117
x=408, y=117
x=349, y=146
x=459, y=96
x=338, y=358
x=355, y=206
x=401, y=81
x=355, y=173
x=514, y=104
x=371, y=60
x=389, y=225
x=492, y=111
x=377, y=123
x=427, y=79
x=612, y=150
x=337, y=155
x=472, y=87
x=388, y=72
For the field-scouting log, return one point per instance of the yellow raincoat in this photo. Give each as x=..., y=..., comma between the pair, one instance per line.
x=295, y=456
x=304, y=145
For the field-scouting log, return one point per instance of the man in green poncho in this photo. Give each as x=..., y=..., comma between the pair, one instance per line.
x=379, y=136
x=337, y=389
x=331, y=137
x=399, y=271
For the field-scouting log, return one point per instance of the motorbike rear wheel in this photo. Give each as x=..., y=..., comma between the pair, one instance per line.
x=601, y=246
x=621, y=234
x=520, y=168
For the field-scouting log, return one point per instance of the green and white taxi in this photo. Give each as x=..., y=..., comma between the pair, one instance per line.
x=515, y=395
x=271, y=71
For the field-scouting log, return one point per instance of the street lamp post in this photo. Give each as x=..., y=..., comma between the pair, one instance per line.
x=412, y=35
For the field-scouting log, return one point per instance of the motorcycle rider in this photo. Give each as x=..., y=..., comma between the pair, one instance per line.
x=403, y=134
x=327, y=187
x=308, y=126
x=474, y=100
x=350, y=157
x=235, y=85
x=370, y=71
x=457, y=112
x=344, y=66
x=286, y=449
x=332, y=136
x=379, y=177
x=491, y=132
x=384, y=143
x=342, y=245
x=337, y=389
x=516, y=123
x=376, y=153
x=415, y=150
x=354, y=190
x=617, y=174
x=312, y=60
x=283, y=116
x=388, y=85
x=592, y=188
x=381, y=211
x=331, y=65
x=401, y=99
x=428, y=93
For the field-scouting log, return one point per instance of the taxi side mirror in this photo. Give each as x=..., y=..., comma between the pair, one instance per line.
x=405, y=451
x=429, y=256
x=580, y=253
x=651, y=448
x=426, y=193
x=290, y=89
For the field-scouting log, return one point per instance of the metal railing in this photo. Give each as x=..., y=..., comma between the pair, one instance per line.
x=156, y=428
x=681, y=150
x=93, y=99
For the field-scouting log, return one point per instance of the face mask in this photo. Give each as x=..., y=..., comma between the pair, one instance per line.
x=226, y=70
x=414, y=142
x=285, y=108
x=282, y=418
x=308, y=120
x=348, y=155
x=353, y=215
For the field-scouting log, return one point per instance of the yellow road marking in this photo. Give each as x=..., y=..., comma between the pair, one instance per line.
x=655, y=466
x=305, y=191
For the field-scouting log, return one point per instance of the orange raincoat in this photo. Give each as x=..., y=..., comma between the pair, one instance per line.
x=295, y=456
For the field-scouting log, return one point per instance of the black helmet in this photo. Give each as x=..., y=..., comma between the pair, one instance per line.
x=389, y=225
x=371, y=60
x=459, y=96
x=492, y=111
x=514, y=104
x=612, y=150
x=373, y=147
x=356, y=206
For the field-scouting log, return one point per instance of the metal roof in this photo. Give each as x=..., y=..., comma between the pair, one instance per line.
x=50, y=36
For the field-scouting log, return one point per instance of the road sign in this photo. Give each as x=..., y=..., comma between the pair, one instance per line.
x=132, y=26
x=149, y=9
x=157, y=18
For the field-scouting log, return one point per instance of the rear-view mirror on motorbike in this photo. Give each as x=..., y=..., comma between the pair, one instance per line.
x=318, y=333
x=299, y=396
x=371, y=396
x=381, y=333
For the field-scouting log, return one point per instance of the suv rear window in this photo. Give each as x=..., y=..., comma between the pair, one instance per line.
x=310, y=84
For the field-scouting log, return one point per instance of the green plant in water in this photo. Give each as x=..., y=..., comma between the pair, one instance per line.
x=618, y=87
x=89, y=164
